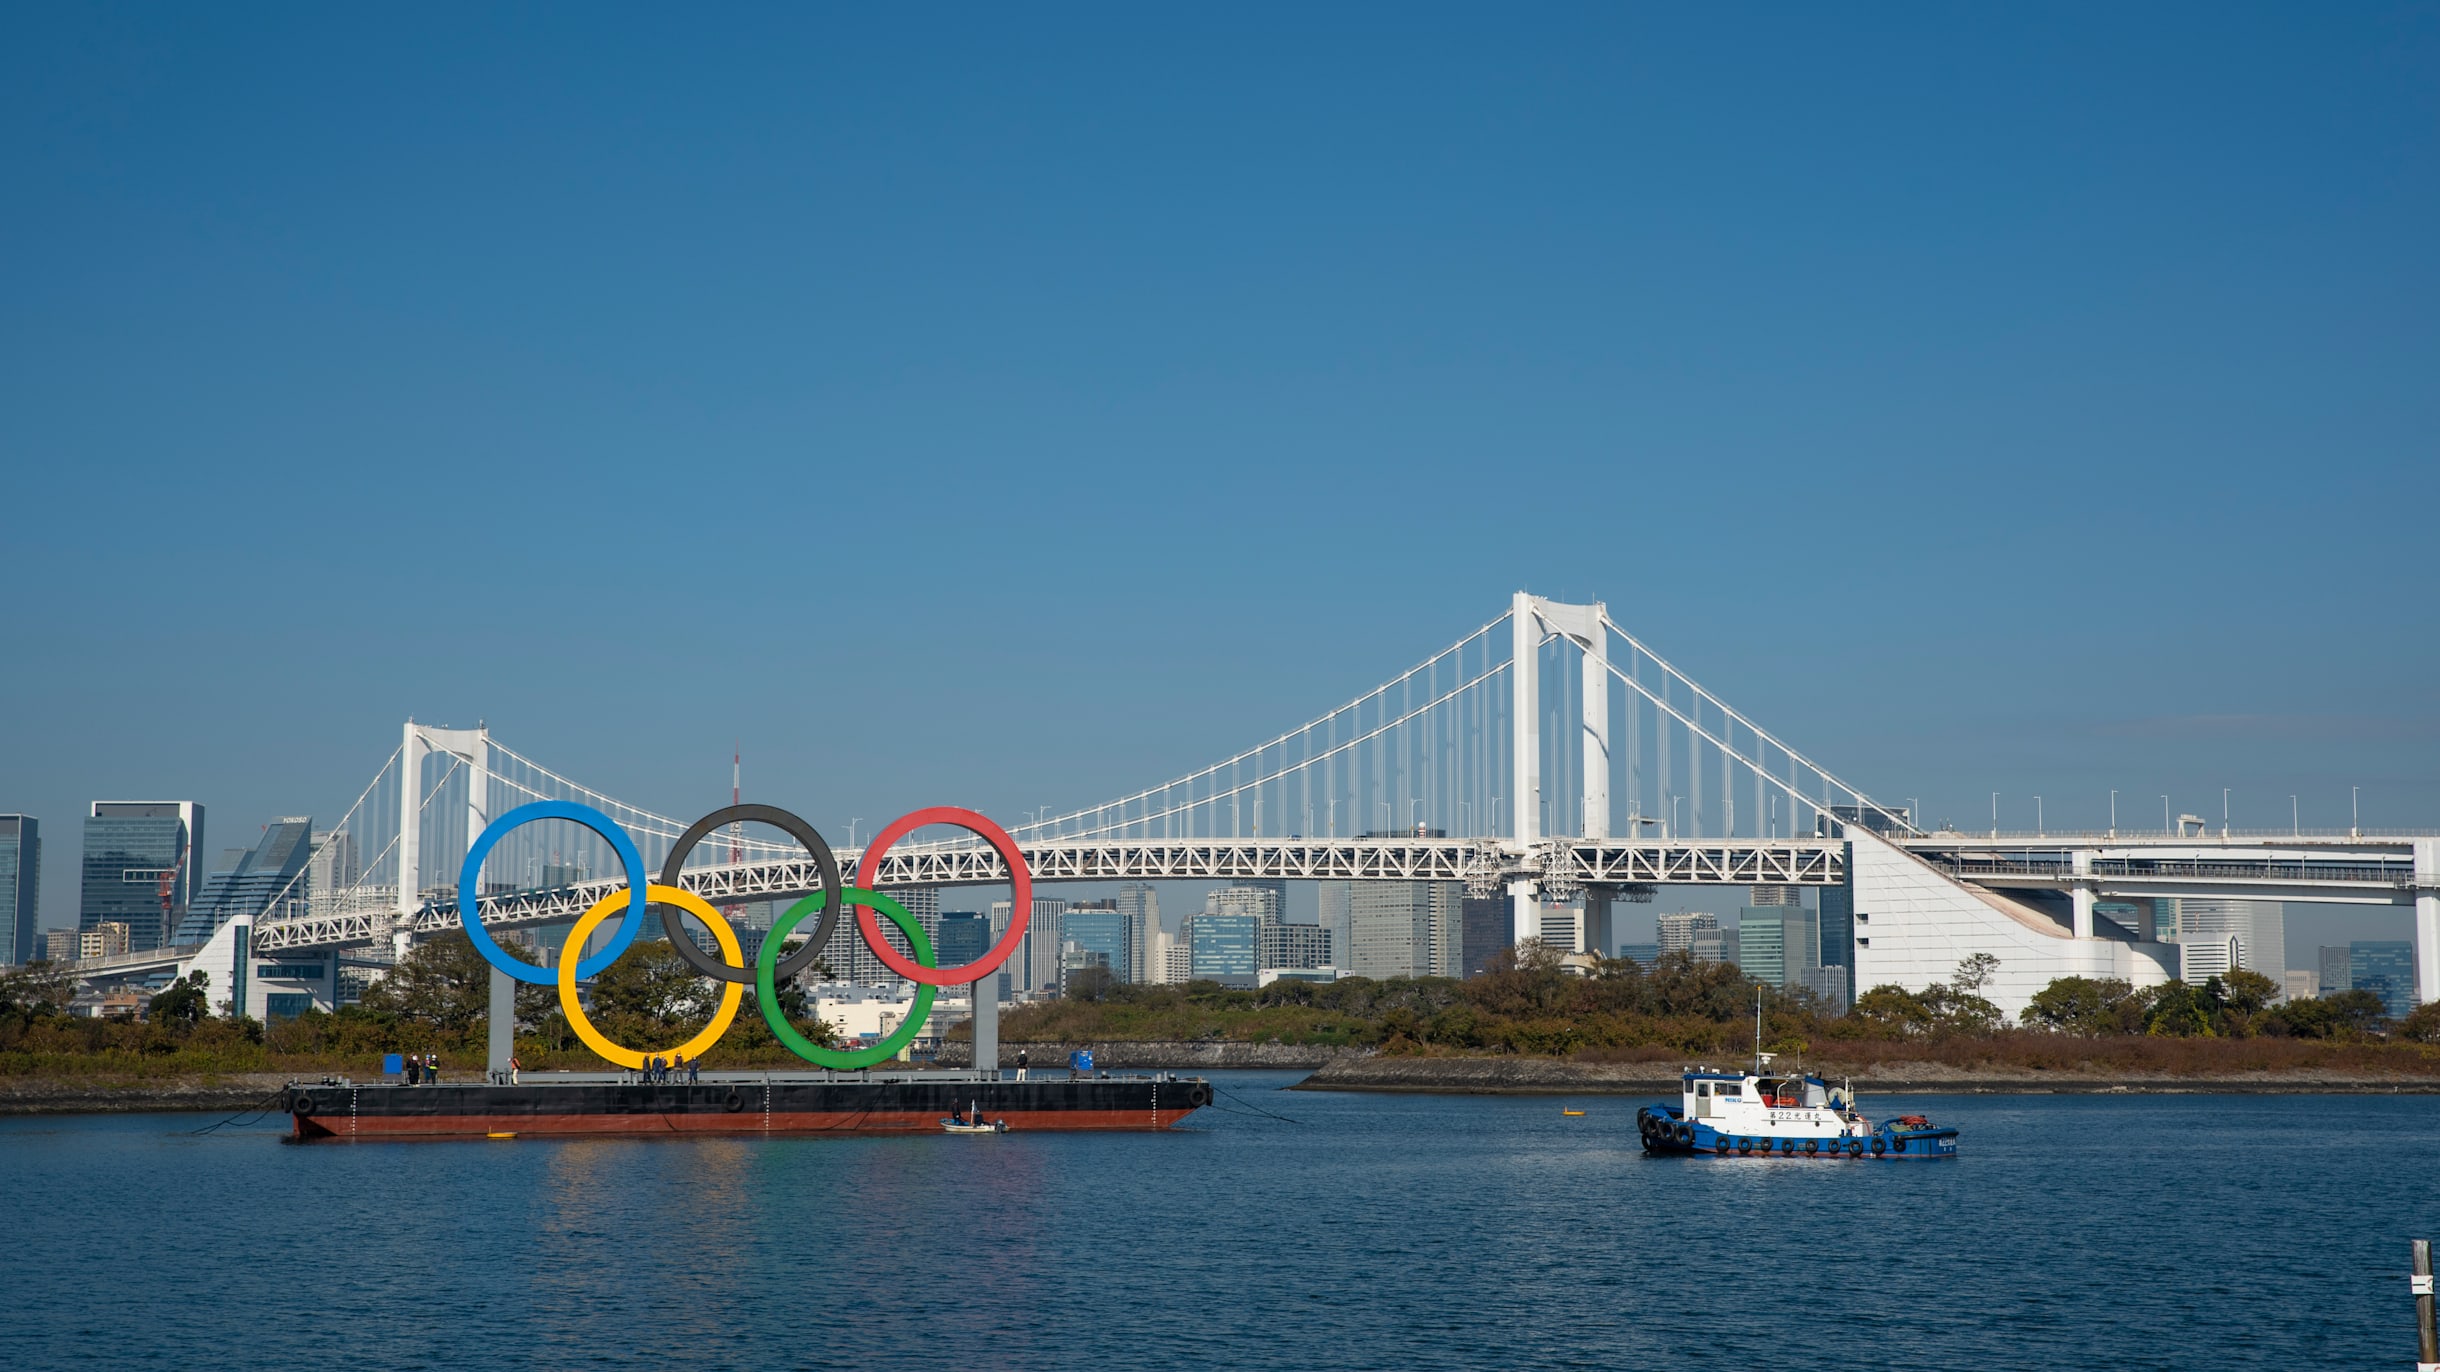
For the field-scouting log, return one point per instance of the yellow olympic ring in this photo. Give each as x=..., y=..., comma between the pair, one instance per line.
x=616, y=903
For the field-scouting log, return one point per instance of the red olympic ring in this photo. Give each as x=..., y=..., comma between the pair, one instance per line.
x=1021, y=897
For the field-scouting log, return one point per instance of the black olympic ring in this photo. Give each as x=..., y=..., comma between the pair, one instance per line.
x=833, y=891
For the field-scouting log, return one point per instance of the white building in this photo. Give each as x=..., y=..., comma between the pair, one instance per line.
x=2258, y=926
x=1914, y=924
x=1677, y=931
x=1401, y=929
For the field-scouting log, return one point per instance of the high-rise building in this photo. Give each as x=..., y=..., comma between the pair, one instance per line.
x=1561, y=927
x=1778, y=945
x=273, y=869
x=1260, y=901
x=1101, y=929
x=1140, y=902
x=20, y=889
x=2337, y=970
x=1641, y=954
x=2386, y=968
x=1335, y=897
x=1775, y=895
x=1391, y=927
x=851, y=959
x=1838, y=925
x=1678, y=931
x=1832, y=985
x=1486, y=925
x=142, y=867
x=1285, y=945
x=2300, y=983
x=2165, y=926
x=1178, y=960
x=2259, y=927
x=1224, y=948
x=62, y=945
x=965, y=936
x=1714, y=944
x=331, y=869
x=2201, y=957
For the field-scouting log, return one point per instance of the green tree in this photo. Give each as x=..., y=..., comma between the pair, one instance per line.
x=441, y=984
x=1973, y=974
x=2339, y=1015
x=34, y=993
x=183, y=1003
x=2423, y=1025
x=2086, y=1005
x=1894, y=1010
x=2244, y=996
x=2182, y=1011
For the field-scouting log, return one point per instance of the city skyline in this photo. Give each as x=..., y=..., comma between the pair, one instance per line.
x=1901, y=389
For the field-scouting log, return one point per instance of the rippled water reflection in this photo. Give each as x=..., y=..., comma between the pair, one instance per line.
x=1376, y=1232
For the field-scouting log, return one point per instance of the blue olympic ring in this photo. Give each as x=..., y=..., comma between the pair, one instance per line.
x=470, y=888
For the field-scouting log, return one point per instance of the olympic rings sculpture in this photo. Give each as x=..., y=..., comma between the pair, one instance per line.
x=731, y=968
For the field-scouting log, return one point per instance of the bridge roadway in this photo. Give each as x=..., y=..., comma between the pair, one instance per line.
x=1624, y=862
x=2346, y=868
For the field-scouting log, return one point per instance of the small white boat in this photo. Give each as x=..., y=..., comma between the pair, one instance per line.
x=972, y=1122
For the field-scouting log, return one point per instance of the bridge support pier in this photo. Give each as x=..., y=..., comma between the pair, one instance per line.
x=2427, y=920
x=986, y=996
x=502, y=1031
x=2082, y=892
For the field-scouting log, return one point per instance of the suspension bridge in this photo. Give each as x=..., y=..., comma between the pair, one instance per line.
x=1547, y=755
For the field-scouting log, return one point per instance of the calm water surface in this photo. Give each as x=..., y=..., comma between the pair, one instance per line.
x=1375, y=1232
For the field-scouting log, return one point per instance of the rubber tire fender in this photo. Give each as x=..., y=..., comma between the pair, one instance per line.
x=1685, y=1135
x=733, y=1102
x=1855, y=1148
x=301, y=1105
x=1199, y=1095
x=1812, y=1146
x=1787, y=1148
x=1719, y=1147
x=1745, y=1148
x=1879, y=1147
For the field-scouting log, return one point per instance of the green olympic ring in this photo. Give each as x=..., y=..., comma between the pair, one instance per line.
x=766, y=991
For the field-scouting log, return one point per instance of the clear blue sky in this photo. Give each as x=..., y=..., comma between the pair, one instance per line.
x=1014, y=406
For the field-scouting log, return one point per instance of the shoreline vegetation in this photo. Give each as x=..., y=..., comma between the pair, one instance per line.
x=1525, y=1025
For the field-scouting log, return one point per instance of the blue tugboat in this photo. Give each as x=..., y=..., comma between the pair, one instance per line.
x=1785, y=1115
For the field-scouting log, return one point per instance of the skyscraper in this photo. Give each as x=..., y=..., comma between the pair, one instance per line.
x=1677, y=931
x=1486, y=925
x=1101, y=929
x=1288, y=945
x=20, y=889
x=142, y=864
x=965, y=936
x=1224, y=948
x=1778, y=945
x=1140, y=902
x=273, y=869
x=1391, y=927
x=2259, y=927
x=1838, y=925
x=2336, y=970
x=1334, y=897
x=851, y=959
x=2386, y=968
x=1561, y=926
